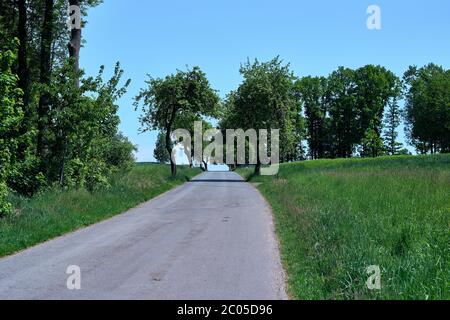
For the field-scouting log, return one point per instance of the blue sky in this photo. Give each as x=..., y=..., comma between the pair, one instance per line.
x=157, y=37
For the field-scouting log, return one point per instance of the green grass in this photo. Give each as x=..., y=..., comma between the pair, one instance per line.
x=334, y=218
x=54, y=213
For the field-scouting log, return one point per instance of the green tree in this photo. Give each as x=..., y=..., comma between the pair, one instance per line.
x=160, y=153
x=371, y=144
x=82, y=125
x=266, y=100
x=164, y=101
x=427, y=108
x=357, y=100
x=312, y=92
x=376, y=88
x=68, y=122
x=10, y=118
x=392, y=122
x=341, y=98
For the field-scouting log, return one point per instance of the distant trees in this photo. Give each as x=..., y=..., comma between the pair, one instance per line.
x=312, y=94
x=427, y=108
x=349, y=113
x=166, y=102
x=345, y=111
x=160, y=153
x=266, y=100
x=392, y=121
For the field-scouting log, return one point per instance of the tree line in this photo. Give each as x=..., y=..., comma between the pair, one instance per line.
x=57, y=125
x=350, y=113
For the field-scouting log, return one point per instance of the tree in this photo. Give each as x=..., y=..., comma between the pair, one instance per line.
x=45, y=74
x=204, y=159
x=164, y=101
x=371, y=144
x=312, y=93
x=357, y=100
x=22, y=32
x=68, y=130
x=10, y=117
x=341, y=98
x=427, y=108
x=266, y=100
x=83, y=126
x=160, y=153
x=376, y=88
x=392, y=121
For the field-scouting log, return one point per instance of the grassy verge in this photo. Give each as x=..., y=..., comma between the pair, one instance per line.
x=334, y=218
x=54, y=213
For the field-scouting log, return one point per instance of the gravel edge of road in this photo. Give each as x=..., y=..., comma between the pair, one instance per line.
x=275, y=246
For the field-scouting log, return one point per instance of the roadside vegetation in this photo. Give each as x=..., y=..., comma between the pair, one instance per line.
x=335, y=218
x=55, y=212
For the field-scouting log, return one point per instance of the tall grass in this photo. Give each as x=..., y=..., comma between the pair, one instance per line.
x=55, y=212
x=335, y=218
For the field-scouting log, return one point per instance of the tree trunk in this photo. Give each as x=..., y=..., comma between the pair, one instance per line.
x=23, y=73
x=206, y=165
x=45, y=73
x=258, y=168
x=173, y=165
x=63, y=164
x=75, y=42
x=22, y=54
x=258, y=162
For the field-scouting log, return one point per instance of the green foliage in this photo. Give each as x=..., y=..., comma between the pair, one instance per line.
x=372, y=144
x=68, y=134
x=334, y=218
x=84, y=128
x=10, y=117
x=427, y=109
x=312, y=93
x=166, y=100
x=392, y=122
x=118, y=153
x=178, y=99
x=357, y=100
x=266, y=99
x=160, y=153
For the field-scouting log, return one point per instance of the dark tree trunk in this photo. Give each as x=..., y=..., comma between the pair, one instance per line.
x=173, y=165
x=22, y=54
x=206, y=165
x=45, y=74
x=258, y=162
x=74, y=53
x=75, y=41
x=23, y=73
x=258, y=168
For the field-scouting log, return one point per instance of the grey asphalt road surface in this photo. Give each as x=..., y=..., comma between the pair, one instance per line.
x=211, y=238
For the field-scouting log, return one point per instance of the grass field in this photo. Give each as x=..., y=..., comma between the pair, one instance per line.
x=54, y=213
x=334, y=218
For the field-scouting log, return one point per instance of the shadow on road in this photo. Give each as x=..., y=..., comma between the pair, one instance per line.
x=217, y=180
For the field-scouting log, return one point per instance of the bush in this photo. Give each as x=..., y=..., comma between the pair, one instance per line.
x=119, y=152
x=26, y=177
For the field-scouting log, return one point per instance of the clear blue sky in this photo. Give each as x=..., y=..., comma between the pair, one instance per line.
x=156, y=37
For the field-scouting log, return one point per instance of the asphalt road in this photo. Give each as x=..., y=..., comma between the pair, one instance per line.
x=211, y=238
